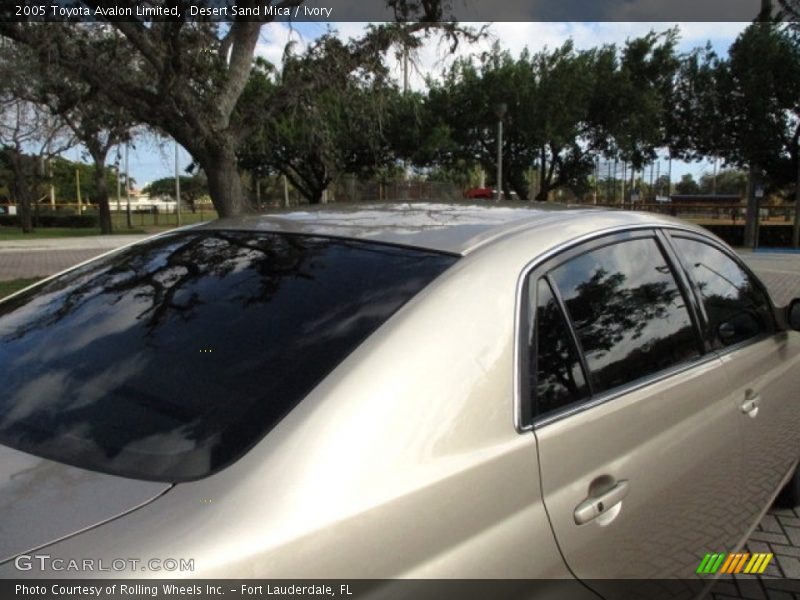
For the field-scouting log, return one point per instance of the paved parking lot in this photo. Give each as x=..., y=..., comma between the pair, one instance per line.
x=779, y=532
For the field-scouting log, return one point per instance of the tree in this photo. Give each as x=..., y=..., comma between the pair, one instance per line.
x=193, y=188
x=636, y=100
x=28, y=136
x=564, y=107
x=546, y=96
x=687, y=185
x=326, y=130
x=186, y=78
x=745, y=108
x=179, y=77
x=728, y=181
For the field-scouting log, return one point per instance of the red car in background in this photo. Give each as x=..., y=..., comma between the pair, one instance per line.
x=478, y=192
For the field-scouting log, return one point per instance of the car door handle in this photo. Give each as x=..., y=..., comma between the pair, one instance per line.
x=591, y=508
x=750, y=404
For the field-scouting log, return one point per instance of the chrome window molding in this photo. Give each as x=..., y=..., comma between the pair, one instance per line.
x=627, y=388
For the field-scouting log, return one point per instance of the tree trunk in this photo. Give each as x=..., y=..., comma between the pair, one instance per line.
x=224, y=181
x=316, y=196
x=541, y=196
x=22, y=191
x=796, y=224
x=101, y=185
x=750, y=223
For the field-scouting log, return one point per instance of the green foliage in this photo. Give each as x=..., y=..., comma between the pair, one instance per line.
x=729, y=181
x=639, y=120
x=332, y=124
x=743, y=108
x=51, y=220
x=564, y=107
x=193, y=188
x=687, y=185
x=64, y=181
x=761, y=81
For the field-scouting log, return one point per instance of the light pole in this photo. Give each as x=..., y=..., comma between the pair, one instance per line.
x=119, y=187
x=500, y=111
x=177, y=186
x=127, y=190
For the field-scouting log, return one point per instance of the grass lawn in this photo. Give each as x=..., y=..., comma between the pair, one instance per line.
x=9, y=287
x=142, y=223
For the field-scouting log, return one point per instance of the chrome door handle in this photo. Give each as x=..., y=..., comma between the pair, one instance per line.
x=750, y=404
x=591, y=508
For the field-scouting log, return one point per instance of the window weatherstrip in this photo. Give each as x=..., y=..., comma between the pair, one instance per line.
x=576, y=342
x=627, y=388
x=688, y=290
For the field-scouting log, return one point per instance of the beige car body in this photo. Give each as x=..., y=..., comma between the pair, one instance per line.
x=409, y=460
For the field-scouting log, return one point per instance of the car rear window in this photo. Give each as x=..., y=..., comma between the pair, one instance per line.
x=168, y=360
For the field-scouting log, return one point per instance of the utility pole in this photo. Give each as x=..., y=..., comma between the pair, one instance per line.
x=633, y=183
x=624, y=181
x=50, y=176
x=614, y=199
x=128, y=189
x=658, y=176
x=177, y=186
x=500, y=111
x=78, y=188
x=714, y=180
x=669, y=177
x=119, y=189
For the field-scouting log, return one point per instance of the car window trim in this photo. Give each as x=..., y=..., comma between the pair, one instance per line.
x=573, y=333
x=522, y=414
x=693, y=301
x=533, y=359
x=614, y=393
x=547, y=261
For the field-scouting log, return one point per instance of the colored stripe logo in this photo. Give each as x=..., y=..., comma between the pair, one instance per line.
x=741, y=562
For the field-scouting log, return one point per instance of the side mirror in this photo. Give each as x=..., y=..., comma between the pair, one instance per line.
x=793, y=314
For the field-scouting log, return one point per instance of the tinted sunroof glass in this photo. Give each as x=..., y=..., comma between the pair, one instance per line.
x=170, y=359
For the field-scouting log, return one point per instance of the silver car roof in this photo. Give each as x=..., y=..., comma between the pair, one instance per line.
x=457, y=228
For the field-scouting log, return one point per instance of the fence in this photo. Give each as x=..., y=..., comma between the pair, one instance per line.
x=734, y=213
x=352, y=190
x=85, y=215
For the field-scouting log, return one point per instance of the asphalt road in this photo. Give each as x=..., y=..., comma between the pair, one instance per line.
x=40, y=258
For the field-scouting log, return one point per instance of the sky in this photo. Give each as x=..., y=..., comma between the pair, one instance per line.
x=152, y=159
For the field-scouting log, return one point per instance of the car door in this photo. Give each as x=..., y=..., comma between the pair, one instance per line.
x=637, y=434
x=761, y=362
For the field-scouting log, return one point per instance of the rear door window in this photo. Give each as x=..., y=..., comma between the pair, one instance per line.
x=170, y=359
x=627, y=310
x=557, y=378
